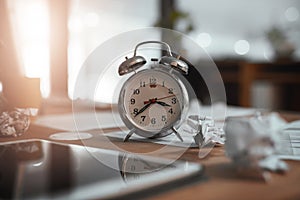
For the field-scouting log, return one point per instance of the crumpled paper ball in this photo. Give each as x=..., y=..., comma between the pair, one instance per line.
x=251, y=142
x=205, y=130
x=14, y=121
x=205, y=133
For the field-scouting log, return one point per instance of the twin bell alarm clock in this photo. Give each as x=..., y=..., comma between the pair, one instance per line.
x=153, y=100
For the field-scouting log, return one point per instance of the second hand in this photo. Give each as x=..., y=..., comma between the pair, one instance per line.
x=154, y=100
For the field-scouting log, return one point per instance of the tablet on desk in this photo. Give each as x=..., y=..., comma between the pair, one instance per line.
x=38, y=169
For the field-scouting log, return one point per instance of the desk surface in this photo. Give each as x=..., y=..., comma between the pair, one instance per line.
x=221, y=180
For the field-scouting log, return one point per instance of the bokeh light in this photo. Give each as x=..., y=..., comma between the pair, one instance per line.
x=241, y=47
x=291, y=14
x=204, y=40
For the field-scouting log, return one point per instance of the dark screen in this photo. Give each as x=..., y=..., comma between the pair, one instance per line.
x=38, y=169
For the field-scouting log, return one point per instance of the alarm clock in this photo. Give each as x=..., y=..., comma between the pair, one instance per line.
x=153, y=100
x=133, y=167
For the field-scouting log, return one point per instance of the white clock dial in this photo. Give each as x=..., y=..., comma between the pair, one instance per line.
x=153, y=100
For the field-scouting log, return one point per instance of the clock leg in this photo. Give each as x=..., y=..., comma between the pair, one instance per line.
x=177, y=134
x=128, y=135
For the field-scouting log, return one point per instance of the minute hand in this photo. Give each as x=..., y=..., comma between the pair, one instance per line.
x=142, y=109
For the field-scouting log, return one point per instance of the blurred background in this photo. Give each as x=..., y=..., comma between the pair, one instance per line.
x=255, y=44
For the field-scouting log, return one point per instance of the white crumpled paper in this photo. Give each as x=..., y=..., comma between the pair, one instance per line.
x=205, y=130
x=205, y=133
x=14, y=121
x=251, y=143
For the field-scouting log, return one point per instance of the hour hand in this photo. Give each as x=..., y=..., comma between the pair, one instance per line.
x=162, y=103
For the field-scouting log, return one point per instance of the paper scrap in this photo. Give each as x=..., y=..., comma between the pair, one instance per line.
x=188, y=140
x=290, y=141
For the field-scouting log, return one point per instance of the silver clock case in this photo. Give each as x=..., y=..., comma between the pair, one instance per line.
x=168, y=129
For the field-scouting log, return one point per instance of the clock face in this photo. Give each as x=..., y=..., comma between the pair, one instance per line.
x=152, y=100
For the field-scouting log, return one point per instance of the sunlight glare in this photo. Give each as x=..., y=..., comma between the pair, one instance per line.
x=32, y=39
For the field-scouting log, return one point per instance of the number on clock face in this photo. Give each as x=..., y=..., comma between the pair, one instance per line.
x=153, y=100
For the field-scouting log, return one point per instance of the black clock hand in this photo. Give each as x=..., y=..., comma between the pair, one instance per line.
x=143, y=109
x=162, y=103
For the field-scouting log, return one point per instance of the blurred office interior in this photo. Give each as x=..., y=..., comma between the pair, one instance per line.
x=255, y=44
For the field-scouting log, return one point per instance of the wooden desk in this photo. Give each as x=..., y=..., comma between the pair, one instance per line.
x=220, y=180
